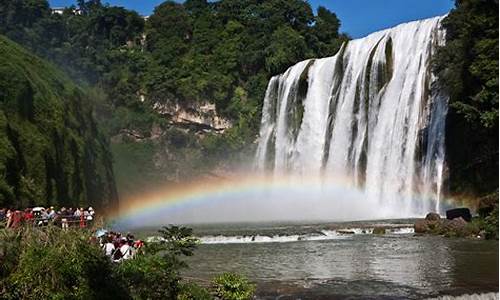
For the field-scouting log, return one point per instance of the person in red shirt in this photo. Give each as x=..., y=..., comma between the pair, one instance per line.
x=17, y=218
x=28, y=216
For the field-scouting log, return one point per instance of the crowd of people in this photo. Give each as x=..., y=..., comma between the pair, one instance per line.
x=118, y=247
x=41, y=216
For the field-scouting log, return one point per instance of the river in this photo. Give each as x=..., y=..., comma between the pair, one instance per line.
x=345, y=261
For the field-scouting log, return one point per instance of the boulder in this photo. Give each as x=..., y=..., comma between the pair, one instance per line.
x=421, y=226
x=433, y=217
x=379, y=230
x=462, y=212
x=456, y=227
x=487, y=204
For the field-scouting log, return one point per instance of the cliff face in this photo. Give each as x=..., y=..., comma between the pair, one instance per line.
x=203, y=117
x=175, y=148
x=472, y=157
x=51, y=150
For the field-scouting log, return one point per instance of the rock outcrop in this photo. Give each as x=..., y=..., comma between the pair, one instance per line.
x=202, y=117
x=435, y=225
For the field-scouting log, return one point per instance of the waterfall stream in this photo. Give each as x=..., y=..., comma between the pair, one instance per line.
x=371, y=116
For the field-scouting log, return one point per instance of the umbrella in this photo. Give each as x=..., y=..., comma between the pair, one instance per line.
x=100, y=232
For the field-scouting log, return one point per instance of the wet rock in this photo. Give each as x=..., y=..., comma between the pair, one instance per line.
x=420, y=226
x=432, y=217
x=456, y=227
x=379, y=230
x=345, y=231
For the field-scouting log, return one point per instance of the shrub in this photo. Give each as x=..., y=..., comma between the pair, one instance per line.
x=191, y=291
x=48, y=263
x=230, y=286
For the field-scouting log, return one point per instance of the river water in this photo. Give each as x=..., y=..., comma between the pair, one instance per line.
x=345, y=261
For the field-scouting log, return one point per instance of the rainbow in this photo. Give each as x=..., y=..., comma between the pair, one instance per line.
x=226, y=197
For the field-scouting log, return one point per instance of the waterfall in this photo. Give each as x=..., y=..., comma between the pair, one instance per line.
x=372, y=116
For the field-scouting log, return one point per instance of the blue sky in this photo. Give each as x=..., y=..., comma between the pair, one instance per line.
x=358, y=17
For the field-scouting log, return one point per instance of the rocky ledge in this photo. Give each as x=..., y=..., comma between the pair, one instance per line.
x=460, y=226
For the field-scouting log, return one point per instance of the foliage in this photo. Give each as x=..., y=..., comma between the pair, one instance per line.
x=52, y=150
x=156, y=275
x=191, y=291
x=50, y=263
x=467, y=66
x=230, y=286
x=468, y=63
x=491, y=225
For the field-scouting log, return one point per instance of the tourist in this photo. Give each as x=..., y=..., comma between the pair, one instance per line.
x=126, y=249
x=28, y=216
x=83, y=224
x=109, y=247
x=87, y=215
x=78, y=212
x=15, y=219
x=51, y=214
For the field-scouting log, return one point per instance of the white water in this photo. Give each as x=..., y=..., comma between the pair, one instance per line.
x=371, y=116
x=325, y=235
x=485, y=296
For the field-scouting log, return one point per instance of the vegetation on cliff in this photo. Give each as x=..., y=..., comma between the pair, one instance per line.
x=51, y=150
x=468, y=68
x=221, y=52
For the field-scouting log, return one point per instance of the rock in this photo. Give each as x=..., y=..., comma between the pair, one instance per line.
x=456, y=227
x=433, y=217
x=421, y=226
x=343, y=231
x=487, y=204
x=379, y=230
x=463, y=213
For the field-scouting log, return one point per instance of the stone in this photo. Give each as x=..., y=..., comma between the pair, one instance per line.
x=421, y=226
x=432, y=216
x=343, y=231
x=379, y=230
x=456, y=227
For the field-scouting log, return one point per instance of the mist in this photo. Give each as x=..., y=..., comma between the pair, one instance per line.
x=266, y=199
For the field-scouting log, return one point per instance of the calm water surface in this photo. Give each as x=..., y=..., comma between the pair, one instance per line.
x=391, y=266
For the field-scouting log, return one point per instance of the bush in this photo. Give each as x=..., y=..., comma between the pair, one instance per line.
x=491, y=225
x=191, y=291
x=230, y=286
x=48, y=263
x=156, y=274
x=150, y=277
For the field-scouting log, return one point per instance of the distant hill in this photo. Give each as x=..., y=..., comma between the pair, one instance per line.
x=51, y=150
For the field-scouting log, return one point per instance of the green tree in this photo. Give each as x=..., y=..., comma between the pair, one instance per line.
x=467, y=66
x=286, y=48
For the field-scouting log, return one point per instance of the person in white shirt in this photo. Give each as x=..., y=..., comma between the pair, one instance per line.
x=127, y=250
x=78, y=212
x=109, y=248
